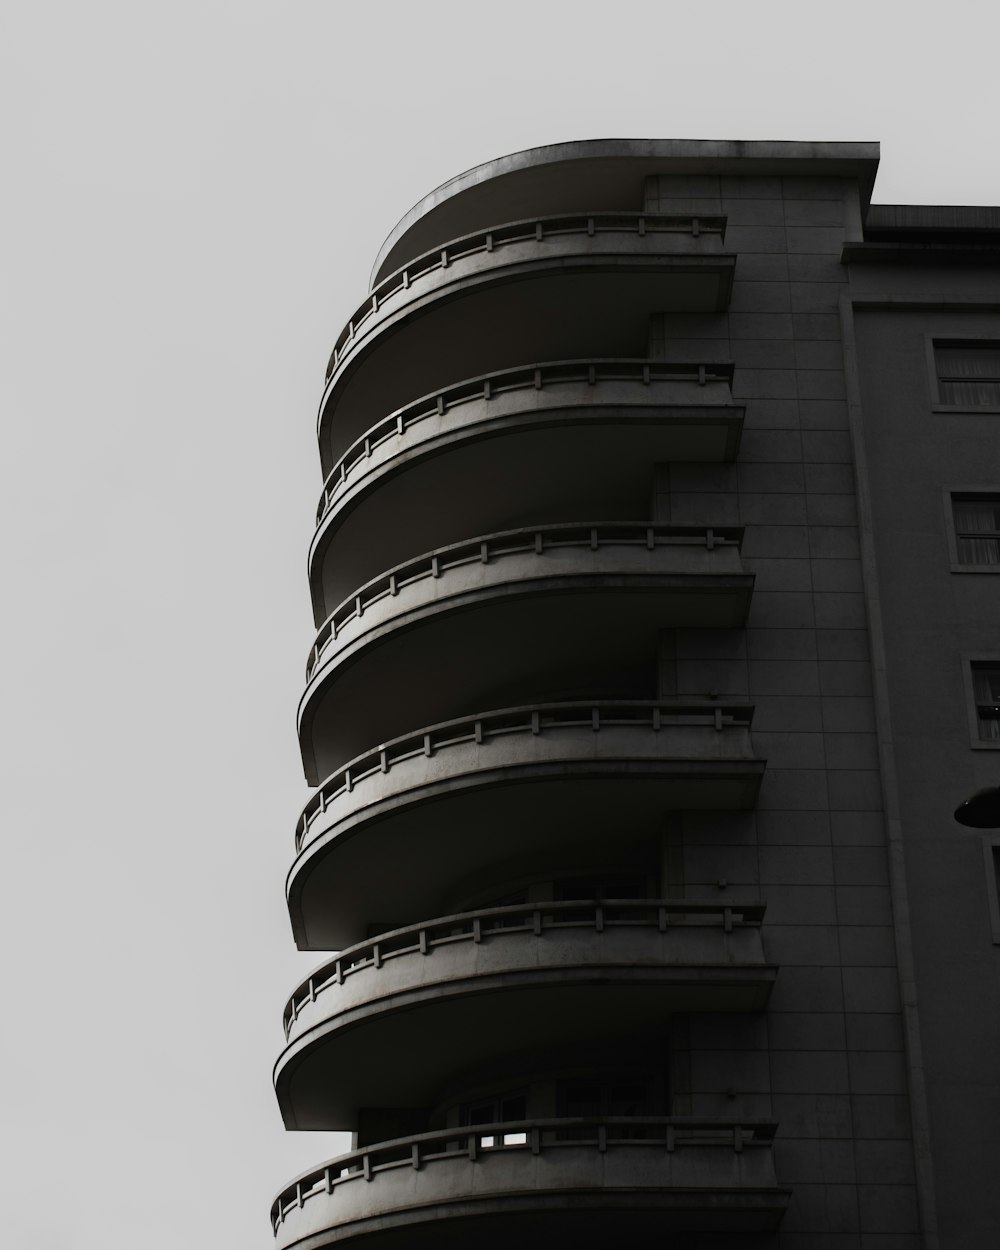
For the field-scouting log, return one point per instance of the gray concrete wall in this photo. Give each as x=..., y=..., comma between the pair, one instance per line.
x=827, y=1059
x=934, y=619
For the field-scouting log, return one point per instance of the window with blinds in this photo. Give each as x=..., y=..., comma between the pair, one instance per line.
x=986, y=692
x=968, y=372
x=977, y=529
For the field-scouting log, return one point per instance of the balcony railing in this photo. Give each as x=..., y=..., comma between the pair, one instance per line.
x=515, y=542
x=535, y=918
x=533, y=719
x=592, y=372
x=658, y=1133
x=537, y=229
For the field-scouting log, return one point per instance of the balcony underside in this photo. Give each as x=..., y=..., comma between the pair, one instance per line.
x=536, y=629
x=478, y=815
x=567, y=1194
x=567, y=309
x=525, y=458
x=580, y=1218
x=532, y=994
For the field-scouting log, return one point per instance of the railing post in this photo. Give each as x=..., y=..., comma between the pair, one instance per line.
x=428, y=749
x=415, y=1156
x=535, y=723
x=539, y=543
x=656, y=720
x=422, y=939
x=340, y=973
x=328, y=1180
x=718, y=720
x=599, y=919
x=535, y=1139
x=366, y=1166
x=591, y=375
x=472, y=1144
x=727, y=919
x=484, y=553
x=710, y=539
x=738, y=1138
x=377, y=955
x=478, y=729
x=536, y=922
x=695, y=226
x=477, y=930
x=702, y=378
x=593, y=538
x=444, y=258
x=538, y=379
x=298, y=1193
x=595, y=718
x=662, y=919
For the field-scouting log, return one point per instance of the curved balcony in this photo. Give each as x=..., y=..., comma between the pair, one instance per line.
x=519, y=787
x=538, y=1183
x=603, y=967
x=555, y=440
x=552, y=288
x=526, y=609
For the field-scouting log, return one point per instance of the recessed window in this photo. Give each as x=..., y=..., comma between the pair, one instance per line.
x=977, y=529
x=986, y=694
x=968, y=372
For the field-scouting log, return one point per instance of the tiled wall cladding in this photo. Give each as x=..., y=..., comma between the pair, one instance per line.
x=827, y=1059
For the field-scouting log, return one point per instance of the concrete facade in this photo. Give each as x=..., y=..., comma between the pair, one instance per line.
x=657, y=579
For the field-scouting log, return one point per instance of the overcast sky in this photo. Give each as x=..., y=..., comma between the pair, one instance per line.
x=193, y=195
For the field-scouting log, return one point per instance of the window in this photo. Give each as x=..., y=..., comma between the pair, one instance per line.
x=968, y=373
x=509, y=1108
x=977, y=529
x=986, y=694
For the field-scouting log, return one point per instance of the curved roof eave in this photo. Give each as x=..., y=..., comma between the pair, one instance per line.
x=601, y=174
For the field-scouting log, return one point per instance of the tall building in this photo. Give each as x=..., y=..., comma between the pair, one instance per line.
x=656, y=578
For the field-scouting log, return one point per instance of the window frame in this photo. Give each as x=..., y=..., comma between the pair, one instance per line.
x=949, y=495
x=930, y=342
x=991, y=856
x=968, y=660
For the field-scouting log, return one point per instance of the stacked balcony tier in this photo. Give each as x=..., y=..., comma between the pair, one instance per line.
x=544, y=443
x=506, y=980
x=406, y=829
x=520, y=612
x=541, y=1183
x=560, y=288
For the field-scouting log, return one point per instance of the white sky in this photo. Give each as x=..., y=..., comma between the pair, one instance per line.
x=193, y=195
